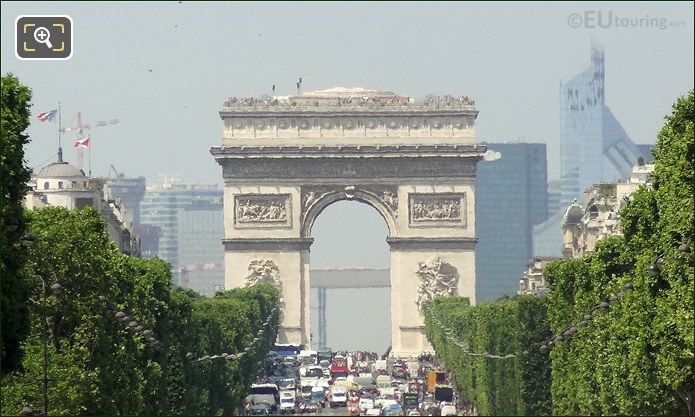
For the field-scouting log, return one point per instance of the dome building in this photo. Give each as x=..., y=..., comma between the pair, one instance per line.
x=60, y=184
x=63, y=185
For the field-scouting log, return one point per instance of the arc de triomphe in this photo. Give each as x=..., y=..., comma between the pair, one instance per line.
x=285, y=159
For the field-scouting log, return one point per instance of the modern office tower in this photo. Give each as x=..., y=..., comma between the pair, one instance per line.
x=129, y=191
x=161, y=206
x=554, y=196
x=511, y=197
x=201, y=255
x=593, y=145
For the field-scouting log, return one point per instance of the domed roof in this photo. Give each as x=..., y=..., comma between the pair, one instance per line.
x=60, y=170
x=574, y=213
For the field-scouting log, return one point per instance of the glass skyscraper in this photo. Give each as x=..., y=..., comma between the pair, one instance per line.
x=593, y=145
x=162, y=207
x=511, y=196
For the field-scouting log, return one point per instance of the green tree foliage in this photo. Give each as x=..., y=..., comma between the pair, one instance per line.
x=636, y=358
x=97, y=366
x=512, y=386
x=13, y=178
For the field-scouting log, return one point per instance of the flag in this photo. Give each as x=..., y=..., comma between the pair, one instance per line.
x=82, y=143
x=48, y=116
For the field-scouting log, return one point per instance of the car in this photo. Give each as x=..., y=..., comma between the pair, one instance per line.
x=338, y=396
x=287, y=401
x=400, y=373
x=365, y=404
x=261, y=409
x=448, y=410
x=373, y=412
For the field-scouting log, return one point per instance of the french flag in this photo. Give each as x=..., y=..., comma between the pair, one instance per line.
x=82, y=143
x=48, y=116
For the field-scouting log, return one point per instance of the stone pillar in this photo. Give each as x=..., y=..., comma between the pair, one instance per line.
x=322, y=318
x=407, y=253
x=289, y=259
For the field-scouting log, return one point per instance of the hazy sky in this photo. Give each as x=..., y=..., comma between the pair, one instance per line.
x=508, y=57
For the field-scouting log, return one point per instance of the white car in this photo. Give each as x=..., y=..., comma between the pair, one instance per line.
x=338, y=397
x=448, y=410
x=365, y=404
x=373, y=412
x=287, y=405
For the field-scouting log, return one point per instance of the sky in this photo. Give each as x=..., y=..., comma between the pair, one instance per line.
x=508, y=57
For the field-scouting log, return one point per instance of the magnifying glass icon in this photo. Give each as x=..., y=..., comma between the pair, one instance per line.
x=42, y=35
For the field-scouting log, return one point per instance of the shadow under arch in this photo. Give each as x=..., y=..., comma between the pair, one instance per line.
x=370, y=198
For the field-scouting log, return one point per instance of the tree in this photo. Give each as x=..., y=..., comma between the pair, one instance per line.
x=99, y=365
x=516, y=385
x=14, y=175
x=636, y=358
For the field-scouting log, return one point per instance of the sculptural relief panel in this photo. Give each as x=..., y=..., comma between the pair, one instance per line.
x=437, y=210
x=262, y=210
x=438, y=278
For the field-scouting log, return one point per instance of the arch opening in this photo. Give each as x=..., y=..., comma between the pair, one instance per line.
x=349, y=276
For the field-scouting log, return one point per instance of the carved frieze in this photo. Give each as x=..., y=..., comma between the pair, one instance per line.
x=262, y=209
x=438, y=278
x=395, y=122
x=264, y=271
x=438, y=209
x=387, y=195
x=348, y=168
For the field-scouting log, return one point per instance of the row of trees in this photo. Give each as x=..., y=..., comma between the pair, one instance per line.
x=483, y=348
x=98, y=365
x=636, y=356
x=95, y=363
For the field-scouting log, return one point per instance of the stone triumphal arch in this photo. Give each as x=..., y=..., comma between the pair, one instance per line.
x=285, y=159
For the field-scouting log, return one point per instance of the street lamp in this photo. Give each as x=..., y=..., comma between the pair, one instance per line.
x=56, y=289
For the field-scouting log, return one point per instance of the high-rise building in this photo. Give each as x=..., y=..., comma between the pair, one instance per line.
x=593, y=145
x=201, y=255
x=129, y=191
x=511, y=197
x=161, y=206
x=554, y=196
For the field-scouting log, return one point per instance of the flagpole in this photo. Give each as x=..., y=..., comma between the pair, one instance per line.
x=90, y=155
x=60, y=126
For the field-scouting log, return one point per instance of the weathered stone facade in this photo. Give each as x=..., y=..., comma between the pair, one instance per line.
x=599, y=215
x=532, y=282
x=286, y=159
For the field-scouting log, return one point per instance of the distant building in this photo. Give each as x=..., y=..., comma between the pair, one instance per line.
x=60, y=184
x=647, y=151
x=201, y=254
x=598, y=217
x=511, y=197
x=128, y=192
x=554, y=196
x=161, y=208
x=532, y=282
x=593, y=145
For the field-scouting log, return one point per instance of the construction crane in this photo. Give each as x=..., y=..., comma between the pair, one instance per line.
x=80, y=128
x=113, y=170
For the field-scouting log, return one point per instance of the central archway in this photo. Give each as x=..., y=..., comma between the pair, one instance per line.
x=349, y=279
